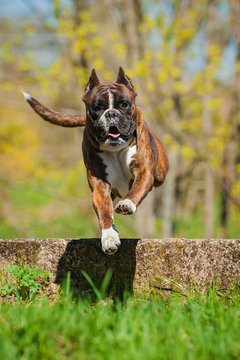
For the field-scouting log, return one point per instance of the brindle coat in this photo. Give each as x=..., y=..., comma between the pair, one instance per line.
x=147, y=165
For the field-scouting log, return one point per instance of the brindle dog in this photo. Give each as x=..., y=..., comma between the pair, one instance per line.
x=122, y=155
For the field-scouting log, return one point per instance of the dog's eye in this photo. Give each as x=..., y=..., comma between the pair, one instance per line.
x=96, y=108
x=124, y=104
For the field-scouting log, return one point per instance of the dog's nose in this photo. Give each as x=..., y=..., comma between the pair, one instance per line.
x=111, y=114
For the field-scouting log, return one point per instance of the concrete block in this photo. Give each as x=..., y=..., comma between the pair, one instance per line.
x=141, y=265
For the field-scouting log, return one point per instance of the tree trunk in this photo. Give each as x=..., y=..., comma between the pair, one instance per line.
x=145, y=217
x=208, y=176
x=80, y=5
x=169, y=195
x=132, y=18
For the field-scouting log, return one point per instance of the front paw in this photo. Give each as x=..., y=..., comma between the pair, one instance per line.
x=125, y=207
x=110, y=241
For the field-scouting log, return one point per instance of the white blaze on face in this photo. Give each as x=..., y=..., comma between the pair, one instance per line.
x=104, y=122
x=110, y=100
x=110, y=106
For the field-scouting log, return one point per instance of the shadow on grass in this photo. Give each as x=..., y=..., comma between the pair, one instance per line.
x=86, y=255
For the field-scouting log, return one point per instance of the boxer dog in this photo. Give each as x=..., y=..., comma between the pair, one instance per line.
x=122, y=155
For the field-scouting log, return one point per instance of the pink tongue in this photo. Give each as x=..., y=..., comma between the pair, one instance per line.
x=113, y=132
x=115, y=136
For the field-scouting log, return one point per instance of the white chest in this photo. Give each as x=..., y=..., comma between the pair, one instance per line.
x=117, y=168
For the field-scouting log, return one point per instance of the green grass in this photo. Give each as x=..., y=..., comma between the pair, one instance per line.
x=167, y=328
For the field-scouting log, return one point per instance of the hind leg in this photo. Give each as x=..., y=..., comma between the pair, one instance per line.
x=162, y=165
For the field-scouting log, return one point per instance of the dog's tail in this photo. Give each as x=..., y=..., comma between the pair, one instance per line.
x=54, y=117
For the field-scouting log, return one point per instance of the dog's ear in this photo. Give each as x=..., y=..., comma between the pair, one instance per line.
x=122, y=78
x=92, y=82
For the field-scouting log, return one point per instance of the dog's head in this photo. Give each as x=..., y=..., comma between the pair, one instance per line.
x=111, y=110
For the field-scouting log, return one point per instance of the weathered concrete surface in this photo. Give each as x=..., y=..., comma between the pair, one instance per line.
x=138, y=264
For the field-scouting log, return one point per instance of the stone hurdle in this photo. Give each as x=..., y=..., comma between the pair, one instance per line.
x=140, y=265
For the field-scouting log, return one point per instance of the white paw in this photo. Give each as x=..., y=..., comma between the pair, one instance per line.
x=125, y=207
x=110, y=241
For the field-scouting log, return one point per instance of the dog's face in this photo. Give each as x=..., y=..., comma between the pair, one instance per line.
x=111, y=111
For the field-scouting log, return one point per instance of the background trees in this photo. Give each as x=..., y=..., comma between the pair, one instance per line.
x=183, y=57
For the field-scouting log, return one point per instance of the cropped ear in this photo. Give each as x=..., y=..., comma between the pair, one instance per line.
x=92, y=82
x=122, y=78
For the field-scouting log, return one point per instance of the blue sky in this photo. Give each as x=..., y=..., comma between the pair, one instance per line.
x=23, y=7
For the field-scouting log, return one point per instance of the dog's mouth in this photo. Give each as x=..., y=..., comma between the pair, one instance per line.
x=113, y=132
